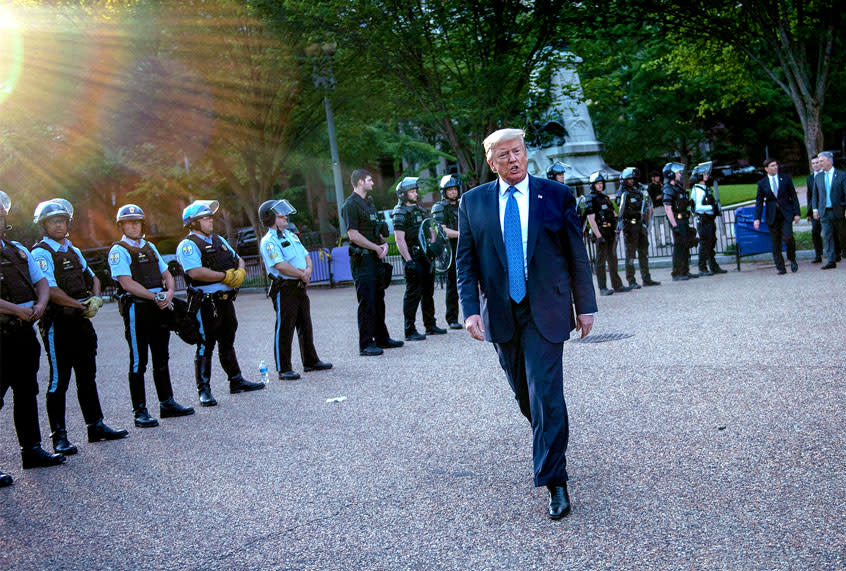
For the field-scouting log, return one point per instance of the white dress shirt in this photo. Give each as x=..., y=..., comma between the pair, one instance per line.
x=522, y=198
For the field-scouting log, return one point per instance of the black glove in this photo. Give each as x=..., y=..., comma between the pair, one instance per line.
x=410, y=268
x=676, y=229
x=600, y=239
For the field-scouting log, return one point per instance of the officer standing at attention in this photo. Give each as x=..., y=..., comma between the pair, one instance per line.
x=139, y=271
x=677, y=207
x=289, y=267
x=23, y=298
x=419, y=281
x=635, y=212
x=66, y=329
x=367, y=253
x=602, y=219
x=213, y=272
x=707, y=209
x=557, y=171
x=445, y=213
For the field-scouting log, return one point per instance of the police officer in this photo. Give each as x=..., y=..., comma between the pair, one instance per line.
x=419, y=280
x=289, y=267
x=707, y=209
x=635, y=212
x=557, y=171
x=23, y=298
x=445, y=212
x=367, y=254
x=213, y=273
x=140, y=272
x=677, y=207
x=66, y=329
x=602, y=219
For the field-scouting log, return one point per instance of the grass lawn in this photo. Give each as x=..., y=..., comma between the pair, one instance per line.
x=734, y=193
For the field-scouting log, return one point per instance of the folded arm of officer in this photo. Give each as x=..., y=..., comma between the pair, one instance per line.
x=204, y=274
x=27, y=313
x=287, y=269
x=139, y=291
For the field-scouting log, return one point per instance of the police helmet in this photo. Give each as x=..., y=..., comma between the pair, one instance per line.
x=406, y=184
x=629, y=172
x=449, y=181
x=556, y=168
x=699, y=171
x=199, y=209
x=129, y=212
x=670, y=169
x=5, y=203
x=52, y=208
x=596, y=177
x=269, y=209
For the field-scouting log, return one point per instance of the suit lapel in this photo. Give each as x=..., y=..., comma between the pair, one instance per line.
x=534, y=218
x=492, y=205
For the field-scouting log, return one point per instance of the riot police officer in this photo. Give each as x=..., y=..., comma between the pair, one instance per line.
x=69, y=337
x=213, y=273
x=707, y=210
x=445, y=212
x=635, y=212
x=23, y=298
x=557, y=171
x=677, y=207
x=419, y=280
x=602, y=219
x=140, y=272
x=289, y=267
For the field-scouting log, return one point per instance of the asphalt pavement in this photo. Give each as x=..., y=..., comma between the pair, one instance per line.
x=711, y=438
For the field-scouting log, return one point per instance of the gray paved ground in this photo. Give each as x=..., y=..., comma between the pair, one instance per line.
x=713, y=438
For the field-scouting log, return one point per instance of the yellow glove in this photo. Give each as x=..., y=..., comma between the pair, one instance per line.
x=92, y=306
x=240, y=276
x=229, y=279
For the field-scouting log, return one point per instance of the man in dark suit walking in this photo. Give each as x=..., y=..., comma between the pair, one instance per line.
x=526, y=228
x=829, y=200
x=816, y=227
x=782, y=211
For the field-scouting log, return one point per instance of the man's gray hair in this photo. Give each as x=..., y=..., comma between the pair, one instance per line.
x=827, y=155
x=497, y=137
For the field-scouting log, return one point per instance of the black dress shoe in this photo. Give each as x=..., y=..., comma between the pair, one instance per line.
x=99, y=431
x=622, y=289
x=435, y=330
x=606, y=291
x=389, y=344
x=829, y=266
x=61, y=445
x=371, y=351
x=5, y=480
x=692, y=276
x=37, y=457
x=143, y=418
x=794, y=267
x=318, y=366
x=455, y=325
x=718, y=270
x=240, y=385
x=170, y=409
x=781, y=271
x=838, y=258
x=559, y=501
x=705, y=273
x=680, y=278
x=415, y=336
x=634, y=285
x=289, y=376
x=817, y=260
x=206, y=398
x=651, y=282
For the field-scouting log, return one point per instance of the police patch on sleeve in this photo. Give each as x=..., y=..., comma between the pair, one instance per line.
x=42, y=263
x=114, y=258
x=271, y=251
x=188, y=249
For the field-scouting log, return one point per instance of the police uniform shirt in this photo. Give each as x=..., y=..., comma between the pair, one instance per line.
x=190, y=257
x=282, y=246
x=120, y=260
x=44, y=259
x=35, y=273
x=361, y=215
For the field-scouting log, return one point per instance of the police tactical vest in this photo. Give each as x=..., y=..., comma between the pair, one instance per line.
x=678, y=198
x=634, y=203
x=409, y=219
x=214, y=256
x=67, y=269
x=364, y=213
x=709, y=199
x=15, y=284
x=602, y=207
x=446, y=213
x=144, y=265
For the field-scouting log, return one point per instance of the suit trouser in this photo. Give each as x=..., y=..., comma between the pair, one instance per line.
x=534, y=370
x=606, y=254
x=782, y=230
x=419, y=290
x=145, y=327
x=636, y=241
x=816, y=236
x=832, y=228
x=71, y=344
x=293, y=311
x=218, y=325
x=366, y=271
x=19, y=357
x=681, y=255
x=452, y=288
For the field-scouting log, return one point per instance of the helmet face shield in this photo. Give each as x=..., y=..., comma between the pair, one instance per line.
x=5, y=203
x=557, y=168
x=703, y=168
x=629, y=172
x=199, y=209
x=598, y=176
x=672, y=168
x=406, y=184
x=284, y=208
x=52, y=208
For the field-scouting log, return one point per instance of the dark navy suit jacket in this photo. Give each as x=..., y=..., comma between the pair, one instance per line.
x=787, y=199
x=559, y=271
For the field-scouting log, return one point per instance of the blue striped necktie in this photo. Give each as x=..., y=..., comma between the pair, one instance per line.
x=513, y=235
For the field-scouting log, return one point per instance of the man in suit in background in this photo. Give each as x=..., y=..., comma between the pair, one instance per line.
x=526, y=228
x=816, y=227
x=829, y=199
x=782, y=211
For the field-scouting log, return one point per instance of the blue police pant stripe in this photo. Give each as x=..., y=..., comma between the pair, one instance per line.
x=276, y=335
x=54, y=365
x=133, y=336
x=202, y=345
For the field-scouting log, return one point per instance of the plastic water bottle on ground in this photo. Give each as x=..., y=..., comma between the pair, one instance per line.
x=263, y=372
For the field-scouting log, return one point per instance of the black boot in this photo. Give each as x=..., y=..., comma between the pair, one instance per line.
x=170, y=408
x=239, y=384
x=5, y=480
x=37, y=457
x=98, y=431
x=202, y=372
x=60, y=441
x=143, y=418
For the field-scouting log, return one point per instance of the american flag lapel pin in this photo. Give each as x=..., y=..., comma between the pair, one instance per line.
x=540, y=196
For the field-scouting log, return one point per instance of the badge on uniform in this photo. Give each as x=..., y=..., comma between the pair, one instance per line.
x=42, y=264
x=21, y=254
x=114, y=258
x=188, y=249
